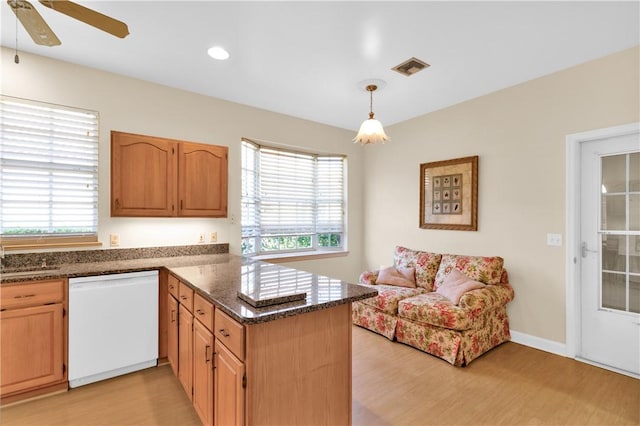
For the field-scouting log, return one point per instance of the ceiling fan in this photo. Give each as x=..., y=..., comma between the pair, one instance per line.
x=43, y=35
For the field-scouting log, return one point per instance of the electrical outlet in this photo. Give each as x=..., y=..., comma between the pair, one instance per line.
x=114, y=240
x=554, y=240
x=213, y=237
x=201, y=238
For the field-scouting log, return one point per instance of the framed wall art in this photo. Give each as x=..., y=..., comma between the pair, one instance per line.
x=449, y=194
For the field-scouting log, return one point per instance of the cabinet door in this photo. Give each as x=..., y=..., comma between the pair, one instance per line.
x=143, y=175
x=32, y=352
x=172, y=333
x=202, y=180
x=228, y=392
x=203, y=373
x=185, y=350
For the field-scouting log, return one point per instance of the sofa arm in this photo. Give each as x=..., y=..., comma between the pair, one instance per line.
x=368, y=277
x=488, y=297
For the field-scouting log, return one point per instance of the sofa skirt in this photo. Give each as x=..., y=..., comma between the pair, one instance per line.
x=456, y=347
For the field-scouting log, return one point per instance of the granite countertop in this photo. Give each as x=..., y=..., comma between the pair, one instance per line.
x=220, y=282
x=219, y=278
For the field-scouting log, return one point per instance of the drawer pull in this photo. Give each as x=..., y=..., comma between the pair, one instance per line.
x=199, y=312
x=171, y=287
x=183, y=297
x=207, y=357
x=24, y=296
x=173, y=315
x=224, y=332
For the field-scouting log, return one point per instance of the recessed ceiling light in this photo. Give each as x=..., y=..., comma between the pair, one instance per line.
x=217, y=52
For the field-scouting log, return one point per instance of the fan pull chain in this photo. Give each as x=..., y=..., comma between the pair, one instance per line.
x=16, y=58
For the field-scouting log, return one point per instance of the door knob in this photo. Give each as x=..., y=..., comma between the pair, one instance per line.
x=586, y=250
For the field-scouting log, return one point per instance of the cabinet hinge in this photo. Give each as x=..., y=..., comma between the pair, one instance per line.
x=244, y=381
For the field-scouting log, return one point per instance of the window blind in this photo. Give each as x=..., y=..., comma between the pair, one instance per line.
x=49, y=169
x=291, y=200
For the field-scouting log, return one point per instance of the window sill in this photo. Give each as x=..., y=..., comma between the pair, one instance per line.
x=9, y=244
x=299, y=256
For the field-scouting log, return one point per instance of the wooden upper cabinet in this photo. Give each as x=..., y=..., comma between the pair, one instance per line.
x=143, y=175
x=157, y=177
x=202, y=180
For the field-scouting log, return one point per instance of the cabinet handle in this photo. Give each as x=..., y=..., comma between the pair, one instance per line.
x=207, y=357
x=117, y=204
x=199, y=312
x=224, y=332
x=181, y=205
x=171, y=287
x=173, y=315
x=24, y=296
x=183, y=297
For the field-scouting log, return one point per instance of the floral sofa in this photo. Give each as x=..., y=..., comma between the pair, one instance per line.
x=424, y=318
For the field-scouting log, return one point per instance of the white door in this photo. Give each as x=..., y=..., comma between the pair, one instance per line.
x=609, y=283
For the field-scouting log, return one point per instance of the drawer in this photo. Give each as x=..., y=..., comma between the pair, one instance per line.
x=203, y=311
x=34, y=293
x=185, y=296
x=230, y=333
x=172, y=286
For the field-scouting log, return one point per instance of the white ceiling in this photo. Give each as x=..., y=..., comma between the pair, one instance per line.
x=306, y=59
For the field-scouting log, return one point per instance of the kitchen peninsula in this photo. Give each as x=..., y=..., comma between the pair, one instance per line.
x=265, y=344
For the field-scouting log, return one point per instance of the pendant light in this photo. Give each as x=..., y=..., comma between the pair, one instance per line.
x=371, y=130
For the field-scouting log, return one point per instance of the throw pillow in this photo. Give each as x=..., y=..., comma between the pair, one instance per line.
x=401, y=277
x=456, y=284
x=487, y=270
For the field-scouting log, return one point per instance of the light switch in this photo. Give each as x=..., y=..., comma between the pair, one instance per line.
x=554, y=240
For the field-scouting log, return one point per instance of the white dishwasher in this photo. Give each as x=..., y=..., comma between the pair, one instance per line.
x=113, y=325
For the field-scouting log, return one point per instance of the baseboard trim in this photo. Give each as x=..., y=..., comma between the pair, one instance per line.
x=539, y=343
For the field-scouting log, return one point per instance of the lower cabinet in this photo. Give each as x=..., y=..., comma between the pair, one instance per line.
x=172, y=333
x=228, y=390
x=203, y=372
x=185, y=350
x=32, y=338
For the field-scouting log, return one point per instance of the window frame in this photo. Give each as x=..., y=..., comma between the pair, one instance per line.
x=252, y=167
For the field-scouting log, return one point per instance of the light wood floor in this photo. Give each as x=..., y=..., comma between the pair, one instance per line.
x=393, y=384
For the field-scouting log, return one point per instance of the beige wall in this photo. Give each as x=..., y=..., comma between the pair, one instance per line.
x=519, y=134
x=135, y=106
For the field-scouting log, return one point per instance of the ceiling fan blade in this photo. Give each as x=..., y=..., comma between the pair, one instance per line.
x=88, y=16
x=33, y=23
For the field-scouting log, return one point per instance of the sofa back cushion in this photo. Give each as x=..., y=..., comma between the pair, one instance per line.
x=487, y=270
x=425, y=264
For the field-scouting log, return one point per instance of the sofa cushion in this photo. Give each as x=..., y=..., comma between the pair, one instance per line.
x=487, y=270
x=456, y=284
x=435, y=309
x=401, y=277
x=389, y=296
x=425, y=263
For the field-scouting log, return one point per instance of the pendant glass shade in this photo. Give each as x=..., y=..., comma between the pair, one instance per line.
x=371, y=130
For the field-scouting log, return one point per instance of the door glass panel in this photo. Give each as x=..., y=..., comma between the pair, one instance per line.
x=634, y=172
x=614, y=291
x=634, y=293
x=614, y=253
x=634, y=212
x=620, y=223
x=613, y=212
x=634, y=254
x=614, y=173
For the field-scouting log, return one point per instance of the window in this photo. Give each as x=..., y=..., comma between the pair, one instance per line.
x=291, y=201
x=49, y=171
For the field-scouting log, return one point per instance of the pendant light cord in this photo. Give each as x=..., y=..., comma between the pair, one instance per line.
x=16, y=58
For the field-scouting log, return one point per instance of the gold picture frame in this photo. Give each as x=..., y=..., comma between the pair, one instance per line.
x=449, y=194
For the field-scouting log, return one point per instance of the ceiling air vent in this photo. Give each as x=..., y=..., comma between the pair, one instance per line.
x=410, y=66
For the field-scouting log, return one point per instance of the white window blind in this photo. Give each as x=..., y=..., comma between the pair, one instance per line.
x=49, y=169
x=291, y=201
